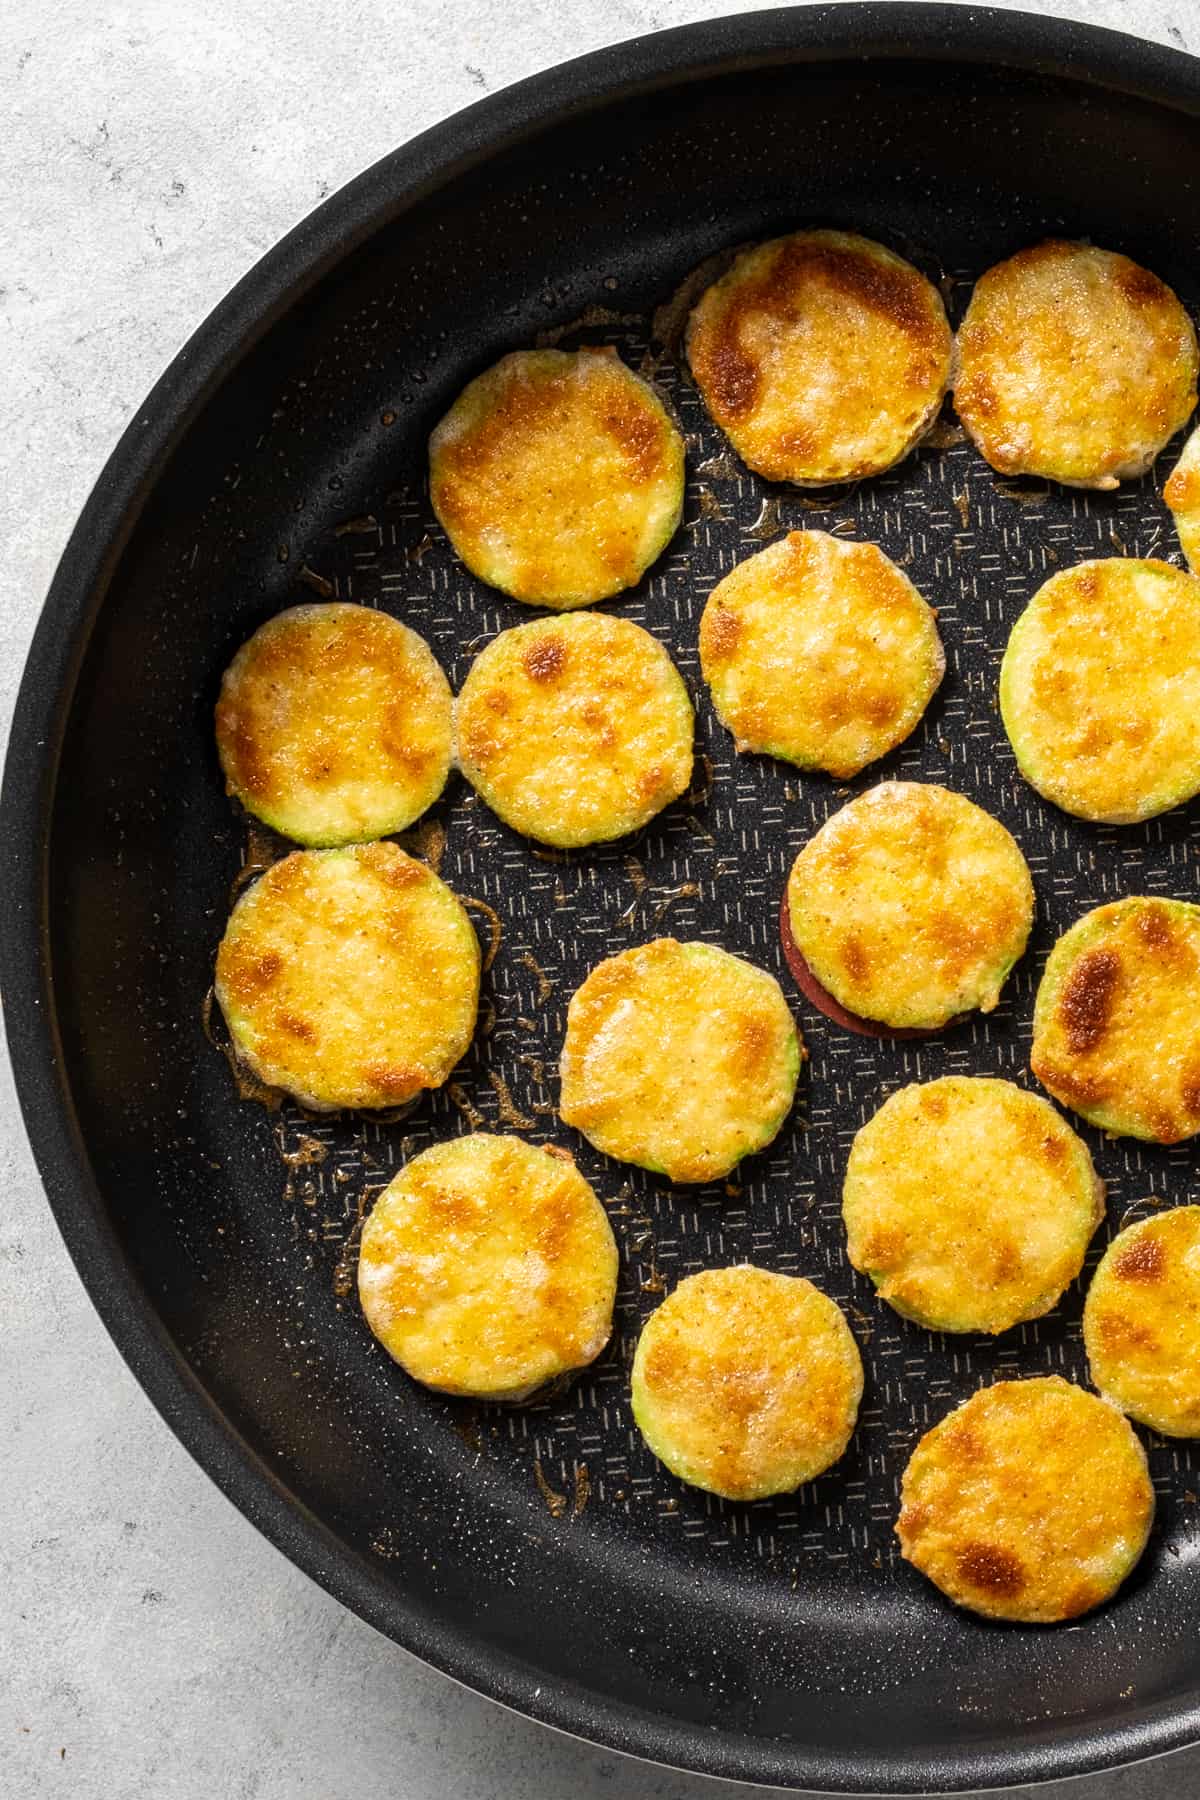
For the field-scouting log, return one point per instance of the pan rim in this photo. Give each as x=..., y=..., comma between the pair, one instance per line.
x=866, y=30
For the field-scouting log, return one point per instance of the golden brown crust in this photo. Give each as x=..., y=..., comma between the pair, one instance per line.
x=333, y=724
x=746, y=1383
x=575, y=730
x=969, y=1203
x=679, y=1057
x=1031, y=1501
x=1117, y=1019
x=822, y=355
x=488, y=1267
x=1073, y=363
x=557, y=476
x=911, y=905
x=1141, y=1323
x=349, y=977
x=1182, y=495
x=1100, y=689
x=820, y=651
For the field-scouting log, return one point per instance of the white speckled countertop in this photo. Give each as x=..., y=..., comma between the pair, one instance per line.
x=152, y=1645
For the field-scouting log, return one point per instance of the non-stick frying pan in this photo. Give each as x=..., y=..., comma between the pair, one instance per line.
x=540, y=1554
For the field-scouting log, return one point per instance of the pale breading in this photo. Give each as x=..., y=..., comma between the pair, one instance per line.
x=1075, y=364
x=679, y=1057
x=1141, y=1322
x=746, y=1383
x=349, y=978
x=822, y=355
x=1100, y=689
x=575, y=730
x=558, y=476
x=1182, y=495
x=1116, y=1023
x=910, y=905
x=821, y=651
x=969, y=1203
x=333, y=724
x=1031, y=1501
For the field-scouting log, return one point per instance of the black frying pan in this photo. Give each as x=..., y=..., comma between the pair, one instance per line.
x=541, y=1555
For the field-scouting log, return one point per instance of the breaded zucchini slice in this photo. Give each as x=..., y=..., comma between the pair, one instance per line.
x=349, y=977
x=1141, y=1322
x=1075, y=364
x=1100, y=689
x=821, y=652
x=1116, y=1023
x=680, y=1058
x=969, y=1203
x=911, y=905
x=558, y=476
x=488, y=1267
x=822, y=356
x=1031, y=1501
x=575, y=730
x=746, y=1383
x=1182, y=495
x=334, y=724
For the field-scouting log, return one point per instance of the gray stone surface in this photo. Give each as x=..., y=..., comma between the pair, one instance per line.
x=151, y=1644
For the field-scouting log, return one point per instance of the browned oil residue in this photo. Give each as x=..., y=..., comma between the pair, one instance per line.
x=828, y=497
x=1031, y=493
x=416, y=553
x=710, y=506
x=466, y=1105
x=556, y=1503
x=669, y=322
x=944, y=433
x=486, y=1022
x=583, y=1489
x=248, y=1086
x=507, y=1108
x=768, y=523
x=345, y=1269
x=700, y=792
x=865, y=1323
x=550, y=856
x=357, y=527
x=652, y=1282
x=495, y=928
x=535, y=1065
x=427, y=841
x=593, y=318
x=560, y=1153
x=687, y=890
x=308, y=1150
x=465, y=1424
x=318, y=583
x=1118, y=543
x=720, y=467
x=636, y=874
x=962, y=506
x=545, y=987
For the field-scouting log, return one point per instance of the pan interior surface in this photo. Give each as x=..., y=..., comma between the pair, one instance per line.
x=541, y=1554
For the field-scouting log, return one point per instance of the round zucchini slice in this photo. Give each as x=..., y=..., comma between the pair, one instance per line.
x=488, y=1268
x=910, y=906
x=1100, y=689
x=969, y=1203
x=1031, y=1501
x=820, y=652
x=334, y=724
x=746, y=1383
x=680, y=1058
x=1141, y=1322
x=1182, y=495
x=1075, y=364
x=822, y=356
x=349, y=978
x=1116, y=1023
x=558, y=476
x=575, y=730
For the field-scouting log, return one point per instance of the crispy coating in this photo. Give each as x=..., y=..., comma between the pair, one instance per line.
x=488, y=1267
x=1074, y=363
x=575, y=730
x=911, y=905
x=1141, y=1323
x=1031, y=1501
x=746, y=1383
x=823, y=356
x=1116, y=1024
x=1100, y=689
x=1182, y=495
x=680, y=1058
x=558, y=476
x=333, y=724
x=969, y=1203
x=349, y=978
x=821, y=652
